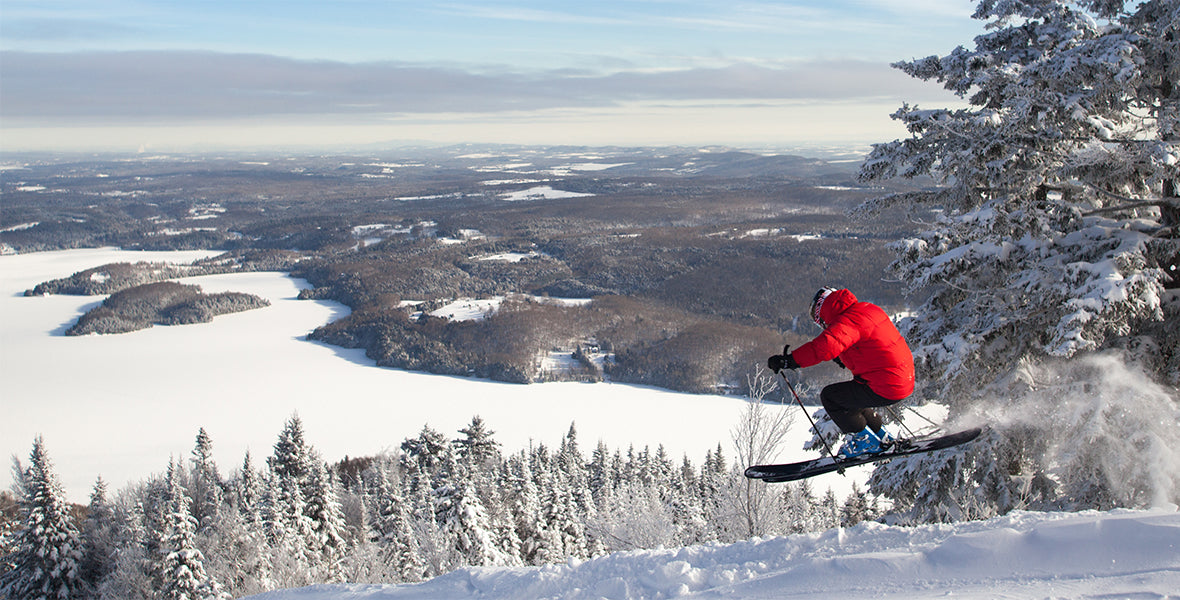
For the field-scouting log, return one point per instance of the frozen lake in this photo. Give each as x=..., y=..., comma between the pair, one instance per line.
x=120, y=406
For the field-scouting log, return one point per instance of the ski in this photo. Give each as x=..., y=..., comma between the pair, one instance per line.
x=819, y=466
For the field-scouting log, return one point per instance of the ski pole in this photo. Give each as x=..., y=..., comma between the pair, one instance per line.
x=799, y=401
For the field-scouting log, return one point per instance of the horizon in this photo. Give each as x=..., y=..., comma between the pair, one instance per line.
x=223, y=76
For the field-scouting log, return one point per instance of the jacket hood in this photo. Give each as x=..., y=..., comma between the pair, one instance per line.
x=835, y=304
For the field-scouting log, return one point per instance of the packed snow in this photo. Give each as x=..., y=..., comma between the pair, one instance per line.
x=1090, y=555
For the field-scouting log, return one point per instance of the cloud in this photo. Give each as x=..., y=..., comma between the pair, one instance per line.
x=141, y=86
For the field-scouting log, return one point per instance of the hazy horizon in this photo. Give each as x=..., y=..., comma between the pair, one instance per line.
x=166, y=77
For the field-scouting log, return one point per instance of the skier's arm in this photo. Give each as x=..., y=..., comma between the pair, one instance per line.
x=828, y=345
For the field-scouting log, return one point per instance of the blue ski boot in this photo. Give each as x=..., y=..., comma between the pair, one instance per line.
x=885, y=437
x=861, y=442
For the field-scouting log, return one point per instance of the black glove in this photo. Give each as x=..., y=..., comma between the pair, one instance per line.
x=778, y=362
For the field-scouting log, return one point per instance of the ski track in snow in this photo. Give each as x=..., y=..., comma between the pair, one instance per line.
x=1090, y=555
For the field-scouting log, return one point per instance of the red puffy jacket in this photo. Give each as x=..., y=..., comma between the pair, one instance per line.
x=866, y=341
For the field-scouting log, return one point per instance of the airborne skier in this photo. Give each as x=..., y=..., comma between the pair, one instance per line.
x=860, y=337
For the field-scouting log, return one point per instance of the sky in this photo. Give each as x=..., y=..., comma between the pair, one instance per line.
x=210, y=74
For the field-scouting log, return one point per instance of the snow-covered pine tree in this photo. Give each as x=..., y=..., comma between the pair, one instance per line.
x=524, y=504
x=247, y=491
x=1057, y=225
x=434, y=548
x=800, y=509
x=323, y=511
x=829, y=510
x=564, y=535
x=132, y=573
x=48, y=551
x=1060, y=231
x=284, y=511
x=391, y=527
x=688, y=509
x=206, y=484
x=498, y=501
x=427, y=451
x=571, y=466
x=598, y=471
x=292, y=455
x=464, y=520
x=99, y=536
x=855, y=508
x=477, y=449
x=181, y=564
x=711, y=486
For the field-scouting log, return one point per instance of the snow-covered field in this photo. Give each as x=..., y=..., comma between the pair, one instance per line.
x=541, y=192
x=1120, y=555
x=121, y=406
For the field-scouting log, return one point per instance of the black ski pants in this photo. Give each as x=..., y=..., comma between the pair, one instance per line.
x=850, y=404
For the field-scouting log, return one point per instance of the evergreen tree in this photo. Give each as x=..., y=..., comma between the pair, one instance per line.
x=525, y=508
x=856, y=508
x=428, y=451
x=476, y=449
x=1057, y=235
x=292, y=458
x=324, y=514
x=286, y=523
x=133, y=573
x=99, y=537
x=206, y=483
x=464, y=519
x=599, y=473
x=829, y=510
x=564, y=536
x=392, y=530
x=434, y=548
x=503, y=520
x=1061, y=222
x=248, y=491
x=181, y=564
x=48, y=551
x=800, y=508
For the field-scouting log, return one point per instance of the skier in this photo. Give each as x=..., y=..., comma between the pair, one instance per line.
x=860, y=337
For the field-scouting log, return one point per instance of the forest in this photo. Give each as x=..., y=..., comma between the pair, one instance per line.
x=160, y=303
x=437, y=504
x=698, y=262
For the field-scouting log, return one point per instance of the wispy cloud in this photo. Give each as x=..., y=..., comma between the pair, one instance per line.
x=181, y=84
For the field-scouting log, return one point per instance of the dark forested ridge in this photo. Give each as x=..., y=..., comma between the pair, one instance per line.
x=697, y=260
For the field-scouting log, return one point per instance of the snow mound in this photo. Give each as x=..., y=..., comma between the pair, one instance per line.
x=1118, y=554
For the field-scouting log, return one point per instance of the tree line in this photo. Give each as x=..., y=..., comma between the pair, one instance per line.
x=435, y=505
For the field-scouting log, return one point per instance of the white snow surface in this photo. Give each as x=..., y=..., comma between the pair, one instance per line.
x=1090, y=555
x=541, y=192
x=121, y=406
